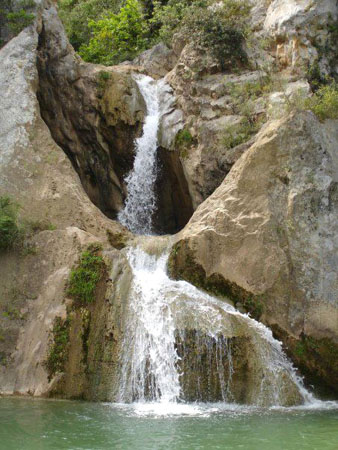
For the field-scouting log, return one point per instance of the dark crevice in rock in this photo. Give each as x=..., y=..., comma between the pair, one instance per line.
x=174, y=206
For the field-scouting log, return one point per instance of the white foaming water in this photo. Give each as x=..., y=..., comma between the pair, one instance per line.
x=149, y=371
x=158, y=306
x=141, y=199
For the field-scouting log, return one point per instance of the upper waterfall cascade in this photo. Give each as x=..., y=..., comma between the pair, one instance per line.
x=141, y=199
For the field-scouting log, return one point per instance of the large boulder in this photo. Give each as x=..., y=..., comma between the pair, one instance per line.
x=267, y=237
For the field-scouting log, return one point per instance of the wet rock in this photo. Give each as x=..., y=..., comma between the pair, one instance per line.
x=270, y=229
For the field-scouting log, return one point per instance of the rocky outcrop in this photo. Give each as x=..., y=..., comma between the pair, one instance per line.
x=98, y=112
x=157, y=61
x=289, y=42
x=56, y=216
x=267, y=237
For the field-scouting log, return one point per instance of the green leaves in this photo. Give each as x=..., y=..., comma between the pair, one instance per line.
x=85, y=277
x=116, y=37
x=9, y=230
x=324, y=103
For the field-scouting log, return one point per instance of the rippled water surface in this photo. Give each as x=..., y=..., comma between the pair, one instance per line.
x=47, y=424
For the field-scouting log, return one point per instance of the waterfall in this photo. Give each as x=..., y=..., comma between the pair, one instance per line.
x=183, y=344
x=141, y=199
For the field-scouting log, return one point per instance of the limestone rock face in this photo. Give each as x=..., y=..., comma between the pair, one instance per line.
x=58, y=218
x=287, y=39
x=300, y=26
x=95, y=108
x=268, y=234
x=157, y=61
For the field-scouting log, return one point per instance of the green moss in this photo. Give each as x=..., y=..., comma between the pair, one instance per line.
x=86, y=275
x=183, y=142
x=117, y=240
x=317, y=360
x=182, y=266
x=58, y=352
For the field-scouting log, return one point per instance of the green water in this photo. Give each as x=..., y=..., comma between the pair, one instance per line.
x=45, y=424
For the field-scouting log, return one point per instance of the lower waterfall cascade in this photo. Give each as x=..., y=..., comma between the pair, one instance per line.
x=161, y=311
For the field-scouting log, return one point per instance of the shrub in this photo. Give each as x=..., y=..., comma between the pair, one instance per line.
x=19, y=20
x=116, y=37
x=85, y=277
x=238, y=134
x=220, y=28
x=9, y=231
x=184, y=138
x=324, y=103
x=75, y=15
x=19, y=16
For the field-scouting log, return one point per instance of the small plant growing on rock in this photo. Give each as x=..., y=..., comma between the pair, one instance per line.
x=184, y=141
x=324, y=103
x=9, y=230
x=85, y=276
x=58, y=352
x=238, y=134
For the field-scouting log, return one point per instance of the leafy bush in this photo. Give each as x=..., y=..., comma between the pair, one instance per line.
x=19, y=16
x=183, y=141
x=85, y=277
x=75, y=15
x=220, y=28
x=9, y=231
x=116, y=37
x=19, y=20
x=324, y=103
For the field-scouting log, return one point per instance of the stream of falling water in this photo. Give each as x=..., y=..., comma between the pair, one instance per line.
x=141, y=199
x=158, y=364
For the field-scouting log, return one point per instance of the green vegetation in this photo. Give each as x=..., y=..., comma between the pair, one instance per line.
x=183, y=141
x=12, y=313
x=9, y=230
x=85, y=277
x=324, y=102
x=76, y=14
x=18, y=15
x=218, y=27
x=238, y=134
x=58, y=352
x=116, y=37
x=111, y=31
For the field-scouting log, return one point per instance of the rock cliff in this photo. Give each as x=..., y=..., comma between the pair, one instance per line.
x=264, y=231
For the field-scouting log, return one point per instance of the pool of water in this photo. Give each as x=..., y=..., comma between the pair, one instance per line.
x=50, y=424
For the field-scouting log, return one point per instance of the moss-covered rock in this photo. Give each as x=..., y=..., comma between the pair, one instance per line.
x=182, y=265
x=316, y=358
